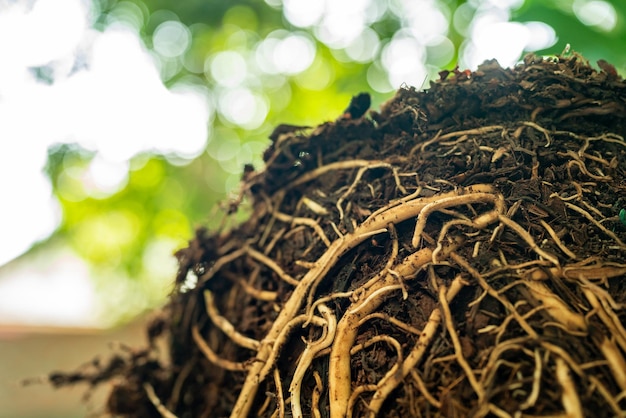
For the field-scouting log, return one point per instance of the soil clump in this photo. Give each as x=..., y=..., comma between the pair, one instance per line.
x=459, y=252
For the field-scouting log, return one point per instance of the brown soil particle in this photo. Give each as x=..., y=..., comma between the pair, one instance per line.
x=458, y=253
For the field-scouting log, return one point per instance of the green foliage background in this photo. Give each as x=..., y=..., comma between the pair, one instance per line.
x=167, y=198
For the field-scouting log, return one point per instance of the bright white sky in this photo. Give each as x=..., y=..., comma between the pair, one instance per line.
x=108, y=96
x=115, y=104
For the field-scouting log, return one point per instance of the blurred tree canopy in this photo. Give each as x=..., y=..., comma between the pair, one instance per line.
x=262, y=63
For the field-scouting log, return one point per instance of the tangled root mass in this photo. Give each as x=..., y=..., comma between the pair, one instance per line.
x=459, y=253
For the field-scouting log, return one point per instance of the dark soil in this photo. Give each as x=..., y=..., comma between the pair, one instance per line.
x=458, y=253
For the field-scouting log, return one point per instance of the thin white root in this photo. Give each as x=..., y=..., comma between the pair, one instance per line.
x=307, y=357
x=616, y=361
x=458, y=350
x=226, y=327
x=445, y=202
x=154, y=399
x=529, y=240
x=212, y=356
x=569, y=397
x=280, y=399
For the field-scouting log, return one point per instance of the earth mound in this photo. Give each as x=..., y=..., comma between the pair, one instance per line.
x=458, y=253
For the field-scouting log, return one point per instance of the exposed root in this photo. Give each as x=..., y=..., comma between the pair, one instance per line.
x=309, y=353
x=569, y=397
x=338, y=339
x=226, y=327
x=157, y=402
x=212, y=356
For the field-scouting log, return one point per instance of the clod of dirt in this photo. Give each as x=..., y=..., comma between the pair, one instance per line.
x=459, y=253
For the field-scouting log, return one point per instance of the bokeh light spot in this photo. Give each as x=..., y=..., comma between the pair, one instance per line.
x=462, y=18
x=338, y=30
x=195, y=57
x=504, y=41
x=159, y=16
x=228, y=68
x=214, y=178
x=427, y=21
x=596, y=13
x=232, y=165
x=243, y=107
x=542, y=36
x=283, y=52
x=171, y=38
x=375, y=10
x=377, y=78
x=233, y=156
x=440, y=52
x=303, y=13
x=294, y=54
x=126, y=13
x=105, y=177
x=403, y=58
x=255, y=149
x=365, y=47
x=264, y=55
x=226, y=145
